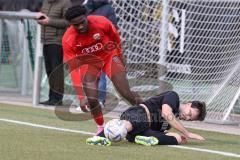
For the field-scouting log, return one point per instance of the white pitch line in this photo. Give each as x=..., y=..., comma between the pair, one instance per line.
x=208, y=151
x=46, y=127
x=228, y=154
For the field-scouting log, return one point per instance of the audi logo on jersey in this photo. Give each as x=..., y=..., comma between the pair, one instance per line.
x=93, y=49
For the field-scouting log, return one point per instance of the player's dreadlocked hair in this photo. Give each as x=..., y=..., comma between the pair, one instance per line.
x=75, y=11
x=201, y=106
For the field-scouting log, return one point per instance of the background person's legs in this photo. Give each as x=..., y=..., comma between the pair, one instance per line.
x=53, y=57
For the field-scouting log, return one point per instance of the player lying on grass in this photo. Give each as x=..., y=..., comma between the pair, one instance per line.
x=148, y=122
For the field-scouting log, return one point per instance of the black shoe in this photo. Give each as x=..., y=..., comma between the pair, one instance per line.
x=52, y=103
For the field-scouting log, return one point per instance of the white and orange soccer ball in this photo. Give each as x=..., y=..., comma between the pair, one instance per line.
x=115, y=130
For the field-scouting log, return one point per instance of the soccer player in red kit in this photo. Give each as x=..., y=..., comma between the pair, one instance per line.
x=92, y=44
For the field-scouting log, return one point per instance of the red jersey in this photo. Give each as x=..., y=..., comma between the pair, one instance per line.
x=99, y=49
x=101, y=39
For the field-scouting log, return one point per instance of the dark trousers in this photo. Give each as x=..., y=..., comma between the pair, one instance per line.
x=53, y=57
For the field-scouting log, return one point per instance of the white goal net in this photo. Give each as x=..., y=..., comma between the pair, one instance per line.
x=17, y=52
x=190, y=46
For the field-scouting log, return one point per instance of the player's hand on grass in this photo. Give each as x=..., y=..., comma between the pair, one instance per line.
x=195, y=136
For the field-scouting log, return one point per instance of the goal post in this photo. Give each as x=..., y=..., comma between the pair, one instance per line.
x=38, y=68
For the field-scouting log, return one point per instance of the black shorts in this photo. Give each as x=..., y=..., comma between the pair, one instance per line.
x=137, y=116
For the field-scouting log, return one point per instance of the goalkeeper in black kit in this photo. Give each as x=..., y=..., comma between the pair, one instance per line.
x=148, y=123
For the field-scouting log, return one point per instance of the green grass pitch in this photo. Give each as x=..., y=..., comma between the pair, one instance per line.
x=23, y=142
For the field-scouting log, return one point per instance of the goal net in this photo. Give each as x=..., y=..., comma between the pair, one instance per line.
x=17, y=52
x=189, y=46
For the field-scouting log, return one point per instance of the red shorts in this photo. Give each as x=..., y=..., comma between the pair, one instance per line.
x=110, y=65
x=88, y=64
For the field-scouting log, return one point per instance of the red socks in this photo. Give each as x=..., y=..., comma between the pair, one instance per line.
x=99, y=119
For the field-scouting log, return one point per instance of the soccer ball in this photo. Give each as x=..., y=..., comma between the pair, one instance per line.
x=115, y=130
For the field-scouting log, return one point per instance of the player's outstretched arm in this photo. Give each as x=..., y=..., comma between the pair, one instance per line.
x=171, y=119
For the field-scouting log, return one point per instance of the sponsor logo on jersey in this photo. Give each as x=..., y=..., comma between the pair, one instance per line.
x=93, y=49
x=97, y=36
